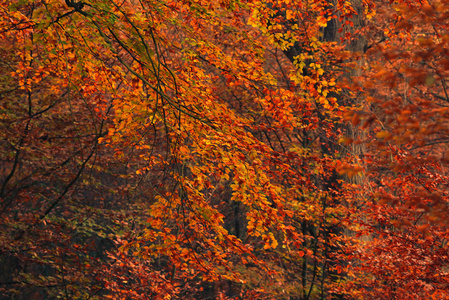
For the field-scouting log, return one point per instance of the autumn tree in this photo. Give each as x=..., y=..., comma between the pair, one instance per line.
x=180, y=149
x=404, y=118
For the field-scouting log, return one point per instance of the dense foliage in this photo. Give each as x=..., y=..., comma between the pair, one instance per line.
x=224, y=149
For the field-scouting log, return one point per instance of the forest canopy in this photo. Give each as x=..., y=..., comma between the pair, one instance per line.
x=226, y=149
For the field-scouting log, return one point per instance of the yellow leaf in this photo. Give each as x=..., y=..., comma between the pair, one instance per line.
x=383, y=134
